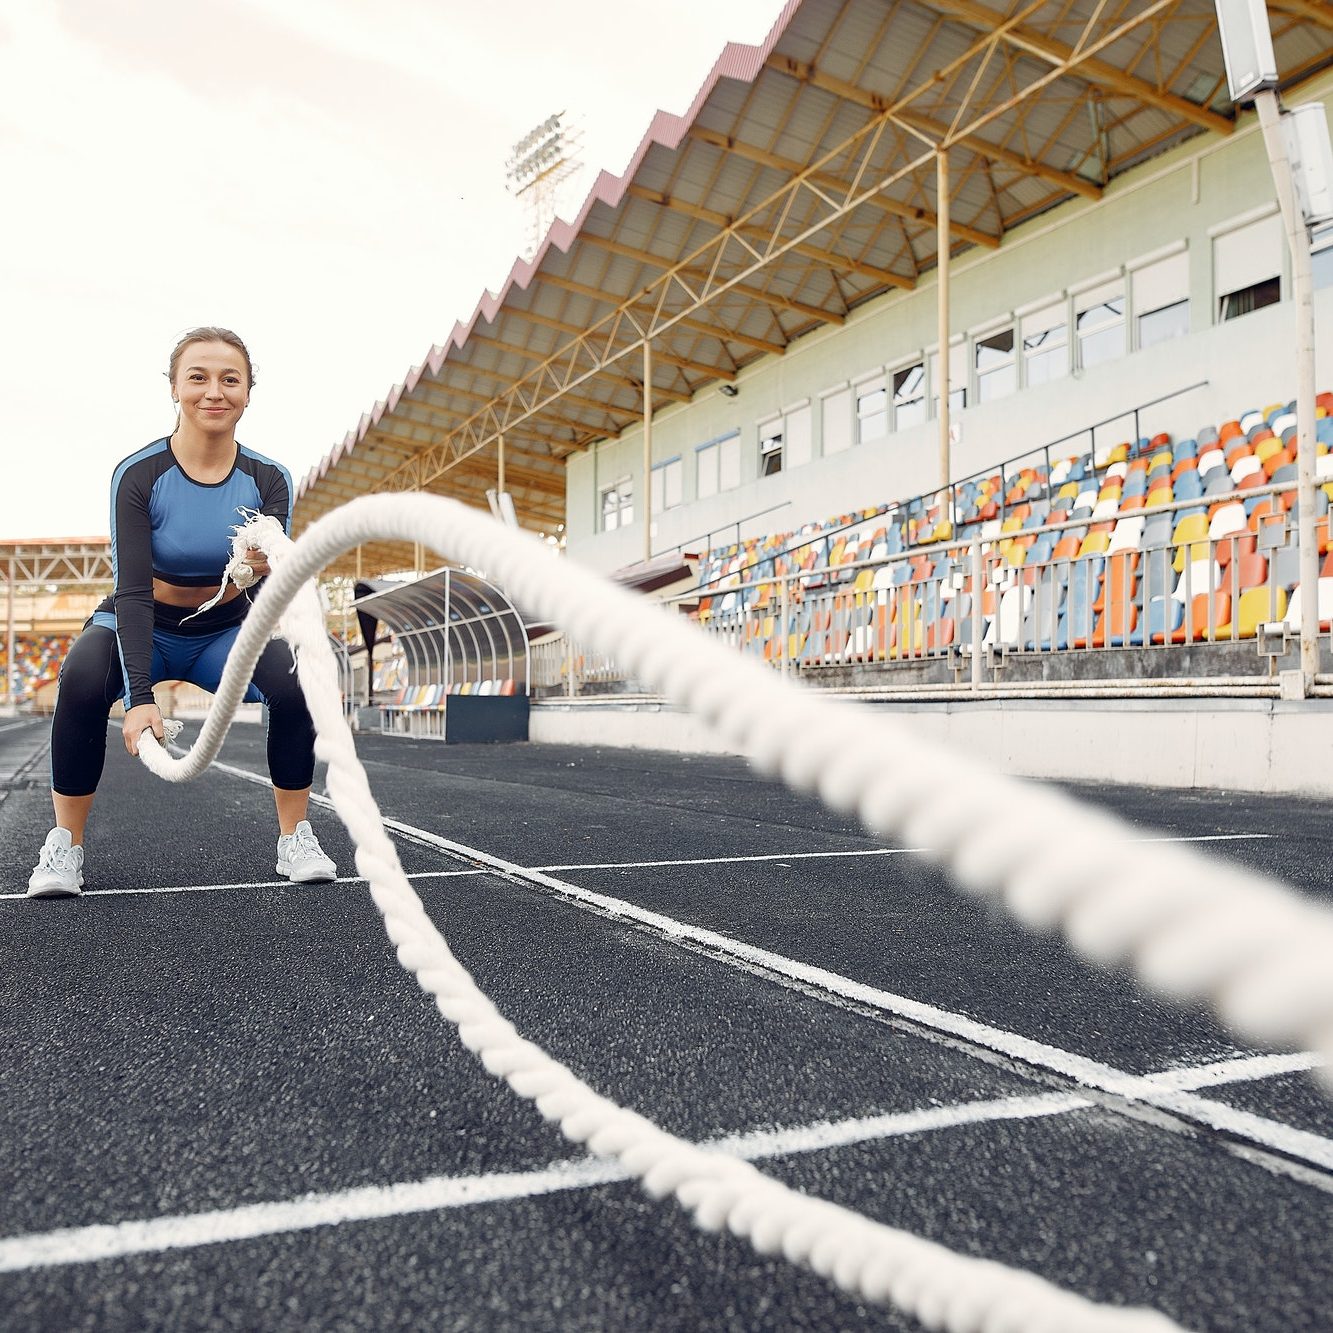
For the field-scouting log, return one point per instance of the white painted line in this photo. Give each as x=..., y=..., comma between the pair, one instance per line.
x=1092, y=1074
x=859, y=851
x=251, y=884
x=89, y=1244
x=732, y=860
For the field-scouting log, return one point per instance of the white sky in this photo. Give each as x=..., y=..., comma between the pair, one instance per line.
x=326, y=177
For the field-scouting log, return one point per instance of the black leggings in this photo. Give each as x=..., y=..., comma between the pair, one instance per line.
x=91, y=682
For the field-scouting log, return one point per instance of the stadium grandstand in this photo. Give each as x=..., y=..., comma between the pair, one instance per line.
x=1092, y=493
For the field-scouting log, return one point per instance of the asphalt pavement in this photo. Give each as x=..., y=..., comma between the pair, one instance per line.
x=226, y=1105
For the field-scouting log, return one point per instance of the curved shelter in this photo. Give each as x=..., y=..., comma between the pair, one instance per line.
x=466, y=652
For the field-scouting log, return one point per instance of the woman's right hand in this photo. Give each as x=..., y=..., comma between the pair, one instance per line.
x=145, y=717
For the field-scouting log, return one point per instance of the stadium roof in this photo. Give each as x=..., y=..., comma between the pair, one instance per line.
x=800, y=183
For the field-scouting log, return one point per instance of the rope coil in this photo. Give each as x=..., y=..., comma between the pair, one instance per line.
x=1196, y=928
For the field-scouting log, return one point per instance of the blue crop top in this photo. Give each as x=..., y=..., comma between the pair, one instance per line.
x=167, y=526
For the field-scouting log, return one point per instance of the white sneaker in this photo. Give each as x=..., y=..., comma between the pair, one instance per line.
x=59, y=872
x=302, y=859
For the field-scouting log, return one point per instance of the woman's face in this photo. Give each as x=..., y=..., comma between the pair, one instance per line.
x=212, y=387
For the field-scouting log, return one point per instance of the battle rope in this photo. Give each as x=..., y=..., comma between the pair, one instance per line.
x=1193, y=927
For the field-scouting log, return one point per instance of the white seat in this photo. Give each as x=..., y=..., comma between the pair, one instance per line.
x=1250, y=420
x=1006, y=626
x=1200, y=573
x=1323, y=465
x=1060, y=471
x=1210, y=459
x=1228, y=519
x=1085, y=499
x=1105, y=509
x=1293, y=616
x=1127, y=534
x=1118, y=470
x=1281, y=422
x=1245, y=467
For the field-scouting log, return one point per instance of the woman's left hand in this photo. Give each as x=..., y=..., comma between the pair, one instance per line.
x=258, y=561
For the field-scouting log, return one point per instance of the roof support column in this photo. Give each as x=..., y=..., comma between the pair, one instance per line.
x=9, y=635
x=942, y=273
x=647, y=450
x=500, y=467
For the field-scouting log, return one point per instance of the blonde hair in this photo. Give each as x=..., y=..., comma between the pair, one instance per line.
x=210, y=333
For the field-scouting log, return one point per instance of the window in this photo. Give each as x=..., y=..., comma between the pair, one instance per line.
x=797, y=446
x=1161, y=300
x=837, y=417
x=909, y=396
x=1321, y=259
x=718, y=465
x=618, y=505
x=1046, y=344
x=997, y=372
x=668, y=485
x=957, y=378
x=1247, y=267
x=1099, y=319
x=770, y=448
x=872, y=411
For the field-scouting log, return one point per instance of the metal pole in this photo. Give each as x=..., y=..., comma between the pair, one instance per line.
x=1266, y=104
x=9, y=636
x=500, y=469
x=942, y=269
x=978, y=574
x=647, y=450
x=785, y=635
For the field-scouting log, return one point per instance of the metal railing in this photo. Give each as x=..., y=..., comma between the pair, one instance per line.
x=976, y=611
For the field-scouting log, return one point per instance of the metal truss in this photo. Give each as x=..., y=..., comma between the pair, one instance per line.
x=55, y=564
x=804, y=211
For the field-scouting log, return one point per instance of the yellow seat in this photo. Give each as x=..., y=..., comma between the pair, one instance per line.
x=864, y=579
x=1267, y=448
x=1011, y=524
x=1069, y=489
x=1190, y=529
x=1016, y=554
x=1160, y=495
x=1120, y=454
x=1094, y=543
x=943, y=531
x=1256, y=608
x=1162, y=458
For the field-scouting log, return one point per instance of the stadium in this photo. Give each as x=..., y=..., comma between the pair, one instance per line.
x=940, y=402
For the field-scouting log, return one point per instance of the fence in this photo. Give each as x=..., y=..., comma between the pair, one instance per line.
x=1048, y=602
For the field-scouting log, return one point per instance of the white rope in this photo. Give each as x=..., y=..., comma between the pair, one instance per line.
x=1196, y=928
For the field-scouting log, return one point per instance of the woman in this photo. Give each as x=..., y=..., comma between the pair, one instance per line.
x=173, y=507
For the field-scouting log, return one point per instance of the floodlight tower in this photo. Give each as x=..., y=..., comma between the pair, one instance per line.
x=539, y=168
x=1302, y=165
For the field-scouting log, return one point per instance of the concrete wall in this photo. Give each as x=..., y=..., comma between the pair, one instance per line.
x=1181, y=196
x=1233, y=744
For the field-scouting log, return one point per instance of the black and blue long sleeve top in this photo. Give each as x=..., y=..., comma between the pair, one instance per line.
x=168, y=526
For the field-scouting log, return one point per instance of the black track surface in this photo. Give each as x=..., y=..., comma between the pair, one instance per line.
x=171, y=1053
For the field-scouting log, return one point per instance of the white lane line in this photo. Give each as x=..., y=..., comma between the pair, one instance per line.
x=89, y=1244
x=859, y=851
x=251, y=884
x=1260, y=1131
x=731, y=860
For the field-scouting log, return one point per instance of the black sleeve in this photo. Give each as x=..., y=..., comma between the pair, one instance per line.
x=133, y=557
x=275, y=494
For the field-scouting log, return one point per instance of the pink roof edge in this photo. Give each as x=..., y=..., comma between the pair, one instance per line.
x=738, y=60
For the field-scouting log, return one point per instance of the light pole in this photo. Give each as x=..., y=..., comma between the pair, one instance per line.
x=1299, y=156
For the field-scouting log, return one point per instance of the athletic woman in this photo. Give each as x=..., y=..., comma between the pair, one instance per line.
x=173, y=507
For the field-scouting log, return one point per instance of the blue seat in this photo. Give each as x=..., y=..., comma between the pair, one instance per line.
x=1185, y=449
x=1164, y=615
x=1189, y=486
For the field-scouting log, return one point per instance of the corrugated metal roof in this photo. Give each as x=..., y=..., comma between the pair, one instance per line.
x=1037, y=103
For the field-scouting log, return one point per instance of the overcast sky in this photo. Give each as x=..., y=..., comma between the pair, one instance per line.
x=326, y=177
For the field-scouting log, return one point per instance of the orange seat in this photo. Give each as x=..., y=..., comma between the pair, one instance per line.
x=1196, y=626
x=1247, y=571
x=1275, y=461
x=1118, y=620
x=1065, y=549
